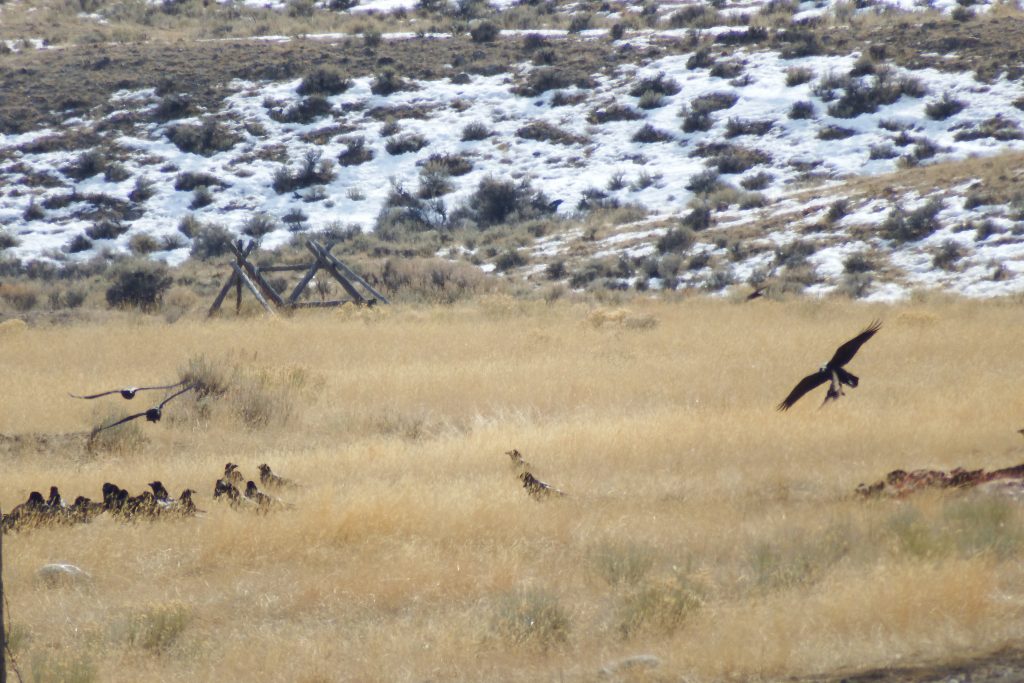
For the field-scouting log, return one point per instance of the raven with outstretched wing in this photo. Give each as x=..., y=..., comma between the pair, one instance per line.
x=832, y=371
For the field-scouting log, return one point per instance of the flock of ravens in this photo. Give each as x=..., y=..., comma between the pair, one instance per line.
x=155, y=504
x=230, y=488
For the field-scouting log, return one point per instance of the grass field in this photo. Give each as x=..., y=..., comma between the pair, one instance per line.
x=701, y=526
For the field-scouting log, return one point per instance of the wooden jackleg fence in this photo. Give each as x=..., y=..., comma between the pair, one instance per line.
x=3, y=629
x=245, y=274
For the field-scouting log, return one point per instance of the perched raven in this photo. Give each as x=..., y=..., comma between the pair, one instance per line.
x=538, y=489
x=271, y=480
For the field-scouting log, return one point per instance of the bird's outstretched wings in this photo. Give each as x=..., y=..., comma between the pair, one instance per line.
x=153, y=414
x=806, y=384
x=757, y=293
x=127, y=392
x=845, y=353
x=164, y=402
x=121, y=421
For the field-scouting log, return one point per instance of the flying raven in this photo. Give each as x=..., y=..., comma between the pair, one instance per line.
x=832, y=371
x=759, y=291
x=151, y=415
x=128, y=393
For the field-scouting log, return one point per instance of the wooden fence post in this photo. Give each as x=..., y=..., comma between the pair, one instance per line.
x=3, y=629
x=243, y=278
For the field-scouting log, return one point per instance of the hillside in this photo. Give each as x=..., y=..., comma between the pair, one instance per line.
x=871, y=150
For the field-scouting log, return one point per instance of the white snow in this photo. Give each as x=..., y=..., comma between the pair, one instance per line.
x=566, y=170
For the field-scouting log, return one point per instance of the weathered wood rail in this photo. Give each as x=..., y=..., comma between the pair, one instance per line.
x=250, y=277
x=3, y=629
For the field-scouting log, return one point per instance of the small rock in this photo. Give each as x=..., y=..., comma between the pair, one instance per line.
x=12, y=326
x=630, y=664
x=57, y=575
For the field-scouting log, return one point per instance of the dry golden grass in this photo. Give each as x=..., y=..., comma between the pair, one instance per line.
x=701, y=526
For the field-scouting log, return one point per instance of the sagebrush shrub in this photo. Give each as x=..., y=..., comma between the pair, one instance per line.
x=484, y=32
x=173, y=106
x=804, y=109
x=676, y=240
x=138, y=284
x=659, y=83
x=79, y=243
x=757, y=181
x=86, y=165
x=356, y=152
x=737, y=126
x=404, y=144
x=144, y=189
x=205, y=139
x=548, y=132
x=259, y=225
x=22, y=297
x=106, y=229
x=323, y=80
x=910, y=226
x=613, y=112
x=539, y=81
x=944, y=107
x=704, y=182
x=696, y=121
x=714, y=101
x=388, y=81
x=649, y=134
x=798, y=75
x=474, y=131
x=947, y=255
x=187, y=181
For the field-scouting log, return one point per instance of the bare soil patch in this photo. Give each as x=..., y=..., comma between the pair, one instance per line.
x=1004, y=665
x=45, y=87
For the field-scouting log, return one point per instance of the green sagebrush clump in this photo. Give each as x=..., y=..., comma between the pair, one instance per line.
x=532, y=617
x=138, y=284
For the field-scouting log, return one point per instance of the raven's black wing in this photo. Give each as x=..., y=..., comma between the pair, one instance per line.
x=133, y=390
x=806, y=384
x=177, y=393
x=105, y=393
x=166, y=386
x=121, y=421
x=845, y=353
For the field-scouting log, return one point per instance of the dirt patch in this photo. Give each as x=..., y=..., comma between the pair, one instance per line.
x=45, y=87
x=1001, y=666
x=67, y=445
x=989, y=45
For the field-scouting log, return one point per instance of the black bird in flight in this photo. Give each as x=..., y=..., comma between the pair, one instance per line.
x=128, y=393
x=832, y=371
x=151, y=415
x=759, y=291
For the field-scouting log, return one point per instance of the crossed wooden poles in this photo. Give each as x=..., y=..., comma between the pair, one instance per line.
x=251, y=277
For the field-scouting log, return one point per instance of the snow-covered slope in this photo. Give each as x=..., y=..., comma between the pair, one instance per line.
x=768, y=123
